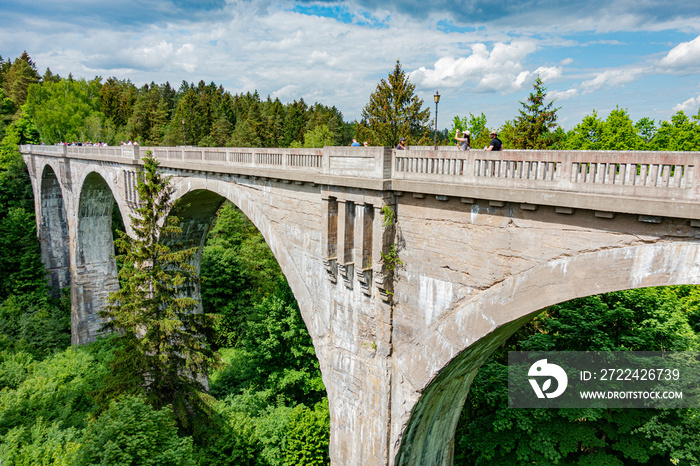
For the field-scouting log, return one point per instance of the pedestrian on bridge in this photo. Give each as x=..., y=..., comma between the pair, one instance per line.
x=496, y=144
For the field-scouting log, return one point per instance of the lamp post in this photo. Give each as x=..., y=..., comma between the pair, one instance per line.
x=184, y=141
x=437, y=100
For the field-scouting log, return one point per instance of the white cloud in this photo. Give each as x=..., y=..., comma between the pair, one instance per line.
x=688, y=106
x=611, y=78
x=685, y=57
x=562, y=95
x=497, y=70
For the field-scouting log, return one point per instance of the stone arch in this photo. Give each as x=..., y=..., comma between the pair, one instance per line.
x=95, y=270
x=206, y=196
x=54, y=235
x=199, y=207
x=472, y=332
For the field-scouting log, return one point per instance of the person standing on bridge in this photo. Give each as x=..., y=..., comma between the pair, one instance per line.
x=496, y=144
x=402, y=144
x=463, y=140
x=355, y=143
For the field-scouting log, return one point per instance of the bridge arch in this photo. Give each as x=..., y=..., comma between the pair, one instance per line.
x=204, y=197
x=54, y=235
x=95, y=270
x=469, y=334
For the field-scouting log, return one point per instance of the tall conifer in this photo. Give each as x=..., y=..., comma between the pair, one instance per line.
x=536, y=124
x=164, y=347
x=393, y=112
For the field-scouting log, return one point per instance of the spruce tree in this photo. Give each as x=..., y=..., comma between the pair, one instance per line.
x=536, y=124
x=393, y=112
x=164, y=347
x=20, y=75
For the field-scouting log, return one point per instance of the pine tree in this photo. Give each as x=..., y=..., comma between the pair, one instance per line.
x=394, y=111
x=536, y=124
x=164, y=347
x=18, y=78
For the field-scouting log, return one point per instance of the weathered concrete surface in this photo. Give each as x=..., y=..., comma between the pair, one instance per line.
x=481, y=272
x=485, y=243
x=53, y=231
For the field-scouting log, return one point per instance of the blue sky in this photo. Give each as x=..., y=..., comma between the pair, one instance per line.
x=482, y=55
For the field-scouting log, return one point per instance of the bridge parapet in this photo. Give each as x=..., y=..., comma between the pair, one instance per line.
x=647, y=183
x=603, y=171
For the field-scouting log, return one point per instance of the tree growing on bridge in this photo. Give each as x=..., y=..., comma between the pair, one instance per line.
x=394, y=111
x=165, y=348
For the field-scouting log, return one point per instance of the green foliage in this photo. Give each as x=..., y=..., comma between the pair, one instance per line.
x=232, y=439
x=19, y=78
x=586, y=135
x=55, y=389
x=534, y=127
x=68, y=110
x=117, y=100
x=35, y=323
x=394, y=111
x=618, y=132
x=29, y=320
x=238, y=270
x=307, y=438
x=648, y=319
x=7, y=110
x=132, y=432
x=391, y=259
x=679, y=134
x=41, y=443
x=164, y=348
x=277, y=359
x=21, y=131
x=319, y=136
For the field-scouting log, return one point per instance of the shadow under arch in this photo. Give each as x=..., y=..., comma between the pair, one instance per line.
x=54, y=233
x=428, y=436
x=95, y=273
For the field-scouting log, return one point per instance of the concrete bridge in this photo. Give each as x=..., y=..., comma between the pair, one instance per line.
x=409, y=267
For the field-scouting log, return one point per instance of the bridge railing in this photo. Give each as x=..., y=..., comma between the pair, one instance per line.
x=362, y=162
x=668, y=175
x=637, y=174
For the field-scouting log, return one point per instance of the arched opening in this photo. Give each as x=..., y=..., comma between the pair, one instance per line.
x=54, y=236
x=272, y=375
x=429, y=435
x=95, y=276
x=646, y=319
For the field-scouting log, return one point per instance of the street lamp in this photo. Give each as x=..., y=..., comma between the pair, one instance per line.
x=437, y=100
x=184, y=141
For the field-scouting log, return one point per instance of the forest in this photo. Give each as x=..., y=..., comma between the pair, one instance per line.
x=266, y=403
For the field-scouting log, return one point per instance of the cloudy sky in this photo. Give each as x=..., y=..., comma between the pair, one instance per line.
x=482, y=55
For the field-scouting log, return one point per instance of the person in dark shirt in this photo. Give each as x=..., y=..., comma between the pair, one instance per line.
x=496, y=144
x=402, y=144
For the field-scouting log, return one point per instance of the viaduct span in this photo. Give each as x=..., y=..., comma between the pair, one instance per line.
x=484, y=241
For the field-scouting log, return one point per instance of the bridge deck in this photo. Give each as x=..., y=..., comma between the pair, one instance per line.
x=663, y=184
